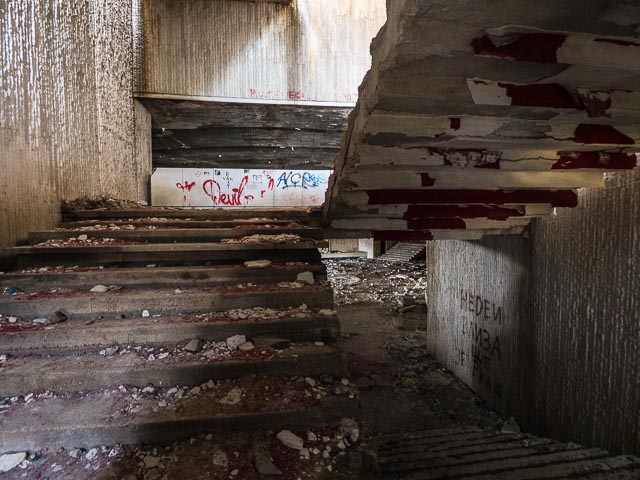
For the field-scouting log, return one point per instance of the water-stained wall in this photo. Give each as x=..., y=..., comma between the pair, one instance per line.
x=69, y=125
x=568, y=331
x=309, y=50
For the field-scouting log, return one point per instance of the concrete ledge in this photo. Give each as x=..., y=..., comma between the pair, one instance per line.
x=82, y=304
x=74, y=335
x=21, y=376
x=160, y=276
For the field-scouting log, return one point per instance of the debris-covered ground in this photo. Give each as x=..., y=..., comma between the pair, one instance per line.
x=387, y=283
x=402, y=388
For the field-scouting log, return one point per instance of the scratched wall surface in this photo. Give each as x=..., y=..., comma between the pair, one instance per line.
x=67, y=115
x=238, y=188
x=569, y=340
x=316, y=50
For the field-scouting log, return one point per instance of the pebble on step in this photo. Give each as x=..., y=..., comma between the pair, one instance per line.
x=11, y=460
x=194, y=346
x=306, y=277
x=233, y=343
x=99, y=289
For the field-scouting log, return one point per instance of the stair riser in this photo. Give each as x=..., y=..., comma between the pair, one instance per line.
x=94, y=338
x=172, y=236
x=54, y=257
x=166, y=432
x=160, y=375
x=92, y=306
x=159, y=277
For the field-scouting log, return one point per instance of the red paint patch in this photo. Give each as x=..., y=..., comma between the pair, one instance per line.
x=547, y=95
x=492, y=212
x=437, y=224
x=403, y=235
x=606, y=134
x=614, y=161
x=557, y=198
x=455, y=123
x=528, y=47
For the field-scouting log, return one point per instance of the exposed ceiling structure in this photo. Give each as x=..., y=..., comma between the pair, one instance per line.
x=478, y=116
x=202, y=134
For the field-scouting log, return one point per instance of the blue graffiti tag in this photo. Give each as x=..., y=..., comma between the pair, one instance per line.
x=301, y=180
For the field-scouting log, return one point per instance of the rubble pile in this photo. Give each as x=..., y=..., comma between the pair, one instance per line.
x=101, y=202
x=111, y=226
x=375, y=280
x=84, y=241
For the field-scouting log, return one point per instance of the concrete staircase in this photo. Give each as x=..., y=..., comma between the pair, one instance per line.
x=481, y=454
x=179, y=338
x=405, y=252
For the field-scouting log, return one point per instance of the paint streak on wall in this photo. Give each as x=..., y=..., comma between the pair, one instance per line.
x=568, y=329
x=310, y=50
x=67, y=117
x=238, y=188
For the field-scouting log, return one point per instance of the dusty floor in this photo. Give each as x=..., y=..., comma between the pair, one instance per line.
x=402, y=388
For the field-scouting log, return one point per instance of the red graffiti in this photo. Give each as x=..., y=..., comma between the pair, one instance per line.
x=212, y=189
x=187, y=186
x=272, y=183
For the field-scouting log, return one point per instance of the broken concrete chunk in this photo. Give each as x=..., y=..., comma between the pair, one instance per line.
x=247, y=346
x=272, y=342
x=258, y=264
x=327, y=313
x=220, y=458
x=111, y=351
x=11, y=460
x=264, y=465
x=145, y=313
x=233, y=397
x=151, y=461
x=310, y=381
x=194, y=346
x=290, y=439
x=59, y=316
x=83, y=238
x=306, y=277
x=99, y=289
x=41, y=321
x=234, y=342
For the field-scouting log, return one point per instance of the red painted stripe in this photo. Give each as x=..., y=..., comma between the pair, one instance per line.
x=605, y=160
x=436, y=224
x=492, y=212
x=528, y=47
x=403, y=235
x=606, y=134
x=557, y=198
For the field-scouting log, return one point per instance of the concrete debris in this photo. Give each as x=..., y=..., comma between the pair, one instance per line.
x=510, y=426
x=233, y=397
x=146, y=314
x=83, y=238
x=312, y=437
x=151, y=461
x=12, y=319
x=234, y=342
x=59, y=316
x=99, y=289
x=247, y=346
x=101, y=202
x=306, y=277
x=91, y=454
x=328, y=313
x=41, y=321
x=290, y=439
x=220, y=457
x=110, y=351
x=194, y=346
x=268, y=239
x=258, y=264
x=290, y=285
x=11, y=460
x=264, y=465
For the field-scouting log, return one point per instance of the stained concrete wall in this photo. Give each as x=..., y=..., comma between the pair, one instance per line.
x=309, y=50
x=68, y=122
x=569, y=334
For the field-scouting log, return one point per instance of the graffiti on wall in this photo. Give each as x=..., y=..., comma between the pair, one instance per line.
x=479, y=348
x=238, y=188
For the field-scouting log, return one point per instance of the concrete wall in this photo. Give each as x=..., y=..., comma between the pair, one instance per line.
x=569, y=329
x=68, y=122
x=310, y=50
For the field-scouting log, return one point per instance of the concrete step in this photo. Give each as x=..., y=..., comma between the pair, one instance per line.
x=488, y=454
x=306, y=215
x=295, y=324
x=128, y=416
x=138, y=366
x=33, y=280
x=86, y=305
x=165, y=254
x=175, y=235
